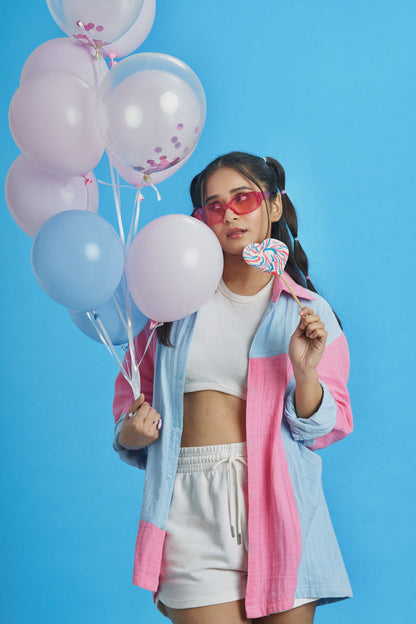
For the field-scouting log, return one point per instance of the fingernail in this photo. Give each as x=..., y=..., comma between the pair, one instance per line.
x=159, y=424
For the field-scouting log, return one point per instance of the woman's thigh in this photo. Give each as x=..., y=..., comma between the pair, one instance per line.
x=299, y=615
x=225, y=613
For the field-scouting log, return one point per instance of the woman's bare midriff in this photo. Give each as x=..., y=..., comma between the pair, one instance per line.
x=211, y=417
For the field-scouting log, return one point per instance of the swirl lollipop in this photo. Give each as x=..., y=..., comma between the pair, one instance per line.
x=270, y=256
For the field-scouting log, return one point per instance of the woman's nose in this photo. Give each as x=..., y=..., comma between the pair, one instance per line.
x=229, y=215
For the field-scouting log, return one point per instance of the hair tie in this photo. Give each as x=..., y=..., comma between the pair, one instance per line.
x=307, y=277
x=265, y=159
x=283, y=192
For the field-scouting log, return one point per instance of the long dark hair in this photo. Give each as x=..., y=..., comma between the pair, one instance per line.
x=268, y=175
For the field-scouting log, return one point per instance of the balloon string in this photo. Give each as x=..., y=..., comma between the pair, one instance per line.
x=155, y=326
x=121, y=185
x=105, y=339
x=135, y=216
x=157, y=192
x=133, y=378
x=99, y=68
x=120, y=313
x=117, y=201
x=135, y=373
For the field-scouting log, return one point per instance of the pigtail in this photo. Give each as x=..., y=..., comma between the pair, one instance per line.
x=163, y=334
x=291, y=219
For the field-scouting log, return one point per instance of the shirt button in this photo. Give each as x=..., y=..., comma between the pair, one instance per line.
x=180, y=376
x=169, y=477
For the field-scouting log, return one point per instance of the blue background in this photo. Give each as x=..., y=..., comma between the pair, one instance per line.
x=328, y=88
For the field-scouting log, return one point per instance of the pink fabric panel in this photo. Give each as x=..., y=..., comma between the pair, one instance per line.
x=148, y=556
x=274, y=528
x=333, y=370
x=123, y=395
x=299, y=290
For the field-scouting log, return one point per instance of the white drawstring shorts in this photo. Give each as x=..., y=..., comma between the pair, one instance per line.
x=206, y=544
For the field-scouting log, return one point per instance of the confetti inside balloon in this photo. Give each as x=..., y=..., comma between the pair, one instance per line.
x=269, y=256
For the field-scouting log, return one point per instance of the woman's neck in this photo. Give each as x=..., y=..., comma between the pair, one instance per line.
x=241, y=278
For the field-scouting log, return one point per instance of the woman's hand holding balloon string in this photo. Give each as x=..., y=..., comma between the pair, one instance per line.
x=306, y=347
x=141, y=425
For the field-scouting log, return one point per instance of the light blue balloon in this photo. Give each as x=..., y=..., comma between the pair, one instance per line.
x=110, y=318
x=78, y=259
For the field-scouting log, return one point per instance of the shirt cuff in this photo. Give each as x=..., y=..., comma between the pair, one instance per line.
x=135, y=457
x=306, y=430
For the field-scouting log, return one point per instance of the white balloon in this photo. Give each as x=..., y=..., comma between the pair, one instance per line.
x=136, y=178
x=173, y=267
x=135, y=36
x=95, y=22
x=66, y=55
x=150, y=110
x=34, y=195
x=52, y=120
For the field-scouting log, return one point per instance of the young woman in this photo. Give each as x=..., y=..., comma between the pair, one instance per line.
x=234, y=525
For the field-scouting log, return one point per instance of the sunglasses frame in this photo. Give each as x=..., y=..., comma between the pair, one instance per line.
x=261, y=196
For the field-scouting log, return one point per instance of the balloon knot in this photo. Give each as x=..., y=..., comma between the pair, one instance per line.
x=88, y=181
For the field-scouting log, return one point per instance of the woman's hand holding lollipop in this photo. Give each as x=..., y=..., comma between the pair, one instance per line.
x=307, y=343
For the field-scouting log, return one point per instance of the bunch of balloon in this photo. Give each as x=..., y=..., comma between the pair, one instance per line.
x=147, y=112
x=51, y=189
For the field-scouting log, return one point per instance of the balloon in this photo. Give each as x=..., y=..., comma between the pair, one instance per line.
x=174, y=265
x=136, y=178
x=66, y=55
x=135, y=36
x=95, y=22
x=150, y=110
x=52, y=120
x=34, y=195
x=78, y=259
x=110, y=318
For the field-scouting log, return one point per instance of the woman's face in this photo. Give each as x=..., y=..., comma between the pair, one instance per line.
x=235, y=231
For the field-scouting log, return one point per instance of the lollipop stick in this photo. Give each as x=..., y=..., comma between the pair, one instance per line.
x=292, y=293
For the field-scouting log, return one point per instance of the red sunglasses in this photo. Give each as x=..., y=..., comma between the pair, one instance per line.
x=240, y=204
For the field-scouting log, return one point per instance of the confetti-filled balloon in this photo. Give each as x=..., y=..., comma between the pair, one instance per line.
x=269, y=256
x=95, y=22
x=150, y=111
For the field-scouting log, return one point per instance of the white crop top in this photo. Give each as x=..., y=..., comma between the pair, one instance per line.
x=224, y=330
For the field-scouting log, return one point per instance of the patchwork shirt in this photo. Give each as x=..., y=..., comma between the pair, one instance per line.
x=293, y=551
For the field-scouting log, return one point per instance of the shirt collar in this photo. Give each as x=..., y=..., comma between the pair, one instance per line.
x=300, y=291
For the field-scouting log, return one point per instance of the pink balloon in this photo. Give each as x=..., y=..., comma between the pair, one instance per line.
x=173, y=267
x=135, y=177
x=34, y=195
x=66, y=55
x=135, y=36
x=52, y=120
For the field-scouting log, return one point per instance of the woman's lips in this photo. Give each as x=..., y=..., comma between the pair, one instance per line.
x=236, y=233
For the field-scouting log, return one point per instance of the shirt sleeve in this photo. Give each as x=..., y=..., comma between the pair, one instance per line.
x=123, y=394
x=136, y=457
x=333, y=419
x=307, y=430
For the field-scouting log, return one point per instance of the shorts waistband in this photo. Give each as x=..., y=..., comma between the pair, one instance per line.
x=194, y=458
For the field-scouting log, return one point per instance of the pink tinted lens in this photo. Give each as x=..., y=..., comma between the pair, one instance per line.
x=241, y=204
x=246, y=202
